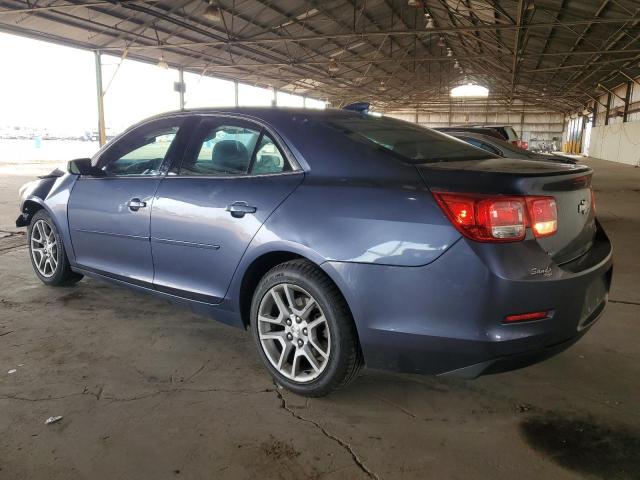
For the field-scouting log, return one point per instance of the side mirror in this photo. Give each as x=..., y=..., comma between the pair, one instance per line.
x=82, y=166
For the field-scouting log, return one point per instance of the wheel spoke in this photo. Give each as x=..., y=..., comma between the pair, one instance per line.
x=318, y=321
x=276, y=321
x=314, y=344
x=311, y=303
x=280, y=336
x=309, y=356
x=295, y=366
x=289, y=296
x=53, y=262
x=286, y=351
x=41, y=234
x=282, y=308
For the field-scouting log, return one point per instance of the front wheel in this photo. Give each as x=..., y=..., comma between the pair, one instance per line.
x=303, y=330
x=47, y=253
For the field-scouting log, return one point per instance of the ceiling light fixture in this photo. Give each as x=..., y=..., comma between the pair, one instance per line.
x=333, y=66
x=449, y=52
x=212, y=13
x=162, y=63
x=441, y=42
x=430, y=23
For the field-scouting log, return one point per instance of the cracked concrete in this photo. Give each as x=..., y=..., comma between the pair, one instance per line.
x=327, y=434
x=150, y=391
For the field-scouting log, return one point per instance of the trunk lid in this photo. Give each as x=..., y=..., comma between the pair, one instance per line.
x=569, y=184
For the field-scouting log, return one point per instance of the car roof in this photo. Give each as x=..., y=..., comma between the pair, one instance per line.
x=266, y=114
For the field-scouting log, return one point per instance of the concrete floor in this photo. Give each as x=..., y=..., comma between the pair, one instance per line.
x=150, y=391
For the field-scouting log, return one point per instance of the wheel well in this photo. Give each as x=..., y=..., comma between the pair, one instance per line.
x=254, y=274
x=29, y=208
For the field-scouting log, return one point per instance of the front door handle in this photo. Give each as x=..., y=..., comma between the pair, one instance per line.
x=240, y=209
x=136, y=204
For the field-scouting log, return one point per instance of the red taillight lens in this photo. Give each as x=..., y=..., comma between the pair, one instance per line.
x=488, y=218
x=485, y=219
x=543, y=215
x=527, y=317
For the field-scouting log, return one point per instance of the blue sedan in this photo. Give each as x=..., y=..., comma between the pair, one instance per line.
x=338, y=238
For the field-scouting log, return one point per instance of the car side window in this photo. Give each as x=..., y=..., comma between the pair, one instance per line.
x=139, y=153
x=268, y=158
x=224, y=150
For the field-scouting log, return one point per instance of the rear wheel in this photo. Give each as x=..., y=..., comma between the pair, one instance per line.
x=304, y=330
x=47, y=253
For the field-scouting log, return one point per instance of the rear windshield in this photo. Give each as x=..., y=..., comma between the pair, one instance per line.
x=410, y=142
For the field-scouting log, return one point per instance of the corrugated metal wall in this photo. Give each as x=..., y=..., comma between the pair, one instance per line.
x=533, y=124
x=613, y=138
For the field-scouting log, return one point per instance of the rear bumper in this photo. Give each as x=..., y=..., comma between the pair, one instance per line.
x=447, y=317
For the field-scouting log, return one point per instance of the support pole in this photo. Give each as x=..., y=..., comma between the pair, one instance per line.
x=102, y=133
x=627, y=101
x=235, y=85
x=606, y=118
x=182, y=86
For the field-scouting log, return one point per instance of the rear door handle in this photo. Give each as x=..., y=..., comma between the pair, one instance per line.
x=240, y=209
x=136, y=204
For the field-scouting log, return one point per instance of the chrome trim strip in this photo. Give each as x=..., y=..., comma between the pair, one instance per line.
x=169, y=241
x=112, y=234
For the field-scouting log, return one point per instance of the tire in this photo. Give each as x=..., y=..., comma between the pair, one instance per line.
x=46, y=250
x=308, y=340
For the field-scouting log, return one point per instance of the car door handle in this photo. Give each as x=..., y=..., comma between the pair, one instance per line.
x=240, y=209
x=136, y=204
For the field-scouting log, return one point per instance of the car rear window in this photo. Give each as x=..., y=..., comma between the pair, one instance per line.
x=410, y=142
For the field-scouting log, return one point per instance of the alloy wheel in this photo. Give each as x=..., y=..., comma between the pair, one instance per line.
x=294, y=333
x=44, y=248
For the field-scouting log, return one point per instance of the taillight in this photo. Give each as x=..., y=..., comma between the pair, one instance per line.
x=483, y=218
x=497, y=218
x=543, y=215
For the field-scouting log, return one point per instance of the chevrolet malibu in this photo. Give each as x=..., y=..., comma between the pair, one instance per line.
x=338, y=238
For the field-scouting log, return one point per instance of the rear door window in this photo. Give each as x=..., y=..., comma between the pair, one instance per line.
x=224, y=150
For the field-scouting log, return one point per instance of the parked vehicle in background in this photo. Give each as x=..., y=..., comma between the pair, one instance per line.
x=505, y=149
x=506, y=132
x=337, y=238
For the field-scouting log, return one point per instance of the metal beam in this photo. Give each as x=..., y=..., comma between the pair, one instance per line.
x=385, y=33
x=36, y=10
x=627, y=100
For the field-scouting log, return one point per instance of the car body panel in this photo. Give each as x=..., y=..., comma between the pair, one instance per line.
x=447, y=323
x=389, y=225
x=107, y=235
x=189, y=221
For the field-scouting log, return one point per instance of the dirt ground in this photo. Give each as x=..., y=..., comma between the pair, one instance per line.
x=150, y=391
